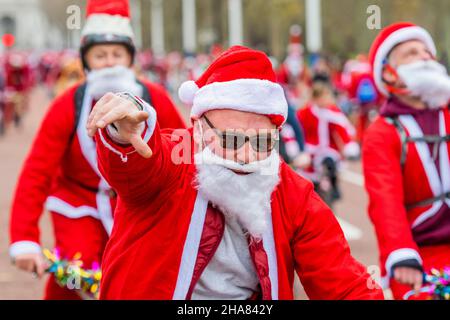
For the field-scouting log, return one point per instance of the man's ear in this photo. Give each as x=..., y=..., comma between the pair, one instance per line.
x=388, y=76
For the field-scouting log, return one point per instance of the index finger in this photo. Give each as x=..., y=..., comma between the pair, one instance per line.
x=141, y=147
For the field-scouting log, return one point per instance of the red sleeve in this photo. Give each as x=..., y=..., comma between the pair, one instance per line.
x=39, y=169
x=168, y=114
x=301, y=116
x=135, y=178
x=340, y=134
x=384, y=184
x=322, y=256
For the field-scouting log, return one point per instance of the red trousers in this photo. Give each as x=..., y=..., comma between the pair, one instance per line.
x=433, y=257
x=85, y=235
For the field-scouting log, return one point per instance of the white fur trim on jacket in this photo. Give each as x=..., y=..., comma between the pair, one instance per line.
x=57, y=205
x=401, y=255
x=23, y=247
x=108, y=24
x=351, y=150
x=249, y=95
x=402, y=35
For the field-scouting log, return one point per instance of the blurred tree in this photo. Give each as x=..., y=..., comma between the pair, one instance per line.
x=267, y=22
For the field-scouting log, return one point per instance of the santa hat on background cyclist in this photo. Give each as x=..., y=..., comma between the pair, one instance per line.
x=107, y=21
x=240, y=79
x=387, y=40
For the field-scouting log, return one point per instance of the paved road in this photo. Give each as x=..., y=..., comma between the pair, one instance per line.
x=13, y=148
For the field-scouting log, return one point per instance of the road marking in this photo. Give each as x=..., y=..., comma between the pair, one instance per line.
x=6, y=277
x=351, y=232
x=352, y=177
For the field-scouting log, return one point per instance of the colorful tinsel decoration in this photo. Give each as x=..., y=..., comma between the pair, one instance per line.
x=437, y=285
x=72, y=275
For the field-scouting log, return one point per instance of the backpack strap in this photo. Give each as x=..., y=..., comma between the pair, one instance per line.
x=79, y=96
x=428, y=202
x=146, y=96
x=403, y=136
x=435, y=139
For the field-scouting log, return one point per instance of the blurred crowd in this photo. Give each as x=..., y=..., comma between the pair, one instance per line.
x=331, y=101
x=323, y=91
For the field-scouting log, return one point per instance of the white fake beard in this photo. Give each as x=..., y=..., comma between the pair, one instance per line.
x=115, y=79
x=427, y=80
x=294, y=64
x=243, y=197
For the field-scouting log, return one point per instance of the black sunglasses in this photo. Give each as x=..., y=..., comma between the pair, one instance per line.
x=263, y=142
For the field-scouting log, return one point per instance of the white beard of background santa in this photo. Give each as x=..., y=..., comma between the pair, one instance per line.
x=114, y=79
x=243, y=197
x=427, y=80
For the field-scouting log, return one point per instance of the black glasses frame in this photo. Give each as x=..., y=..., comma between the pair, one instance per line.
x=239, y=139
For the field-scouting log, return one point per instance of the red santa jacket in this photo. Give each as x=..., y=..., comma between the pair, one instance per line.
x=395, y=189
x=165, y=233
x=61, y=172
x=328, y=133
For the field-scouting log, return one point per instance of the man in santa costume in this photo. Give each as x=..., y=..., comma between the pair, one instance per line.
x=60, y=173
x=406, y=157
x=229, y=220
x=293, y=74
x=329, y=135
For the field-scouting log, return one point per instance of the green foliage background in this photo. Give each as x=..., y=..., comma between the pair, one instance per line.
x=267, y=22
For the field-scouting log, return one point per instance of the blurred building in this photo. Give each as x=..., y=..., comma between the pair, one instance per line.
x=26, y=20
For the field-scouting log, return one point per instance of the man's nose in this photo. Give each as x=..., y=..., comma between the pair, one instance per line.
x=246, y=154
x=110, y=61
x=425, y=55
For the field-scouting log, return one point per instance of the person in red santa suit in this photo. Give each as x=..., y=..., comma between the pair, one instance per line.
x=293, y=74
x=230, y=220
x=60, y=173
x=406, y=157
x=358, y=82
x=329, y=137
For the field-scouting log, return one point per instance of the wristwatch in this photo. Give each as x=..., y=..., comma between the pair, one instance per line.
x=137, y=101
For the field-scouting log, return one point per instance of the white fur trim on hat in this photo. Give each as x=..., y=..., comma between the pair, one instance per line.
x=108, y=24
x=249, y=95
x=187, y=92
x=397, y=37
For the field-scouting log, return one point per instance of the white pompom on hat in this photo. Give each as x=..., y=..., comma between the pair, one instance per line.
x=187, y=92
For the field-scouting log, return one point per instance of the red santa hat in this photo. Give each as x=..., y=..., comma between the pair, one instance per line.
x=388, y=39
x=107, y=21
x=239, y=79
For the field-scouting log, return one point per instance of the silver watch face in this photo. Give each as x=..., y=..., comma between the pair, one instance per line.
x=129, y=96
